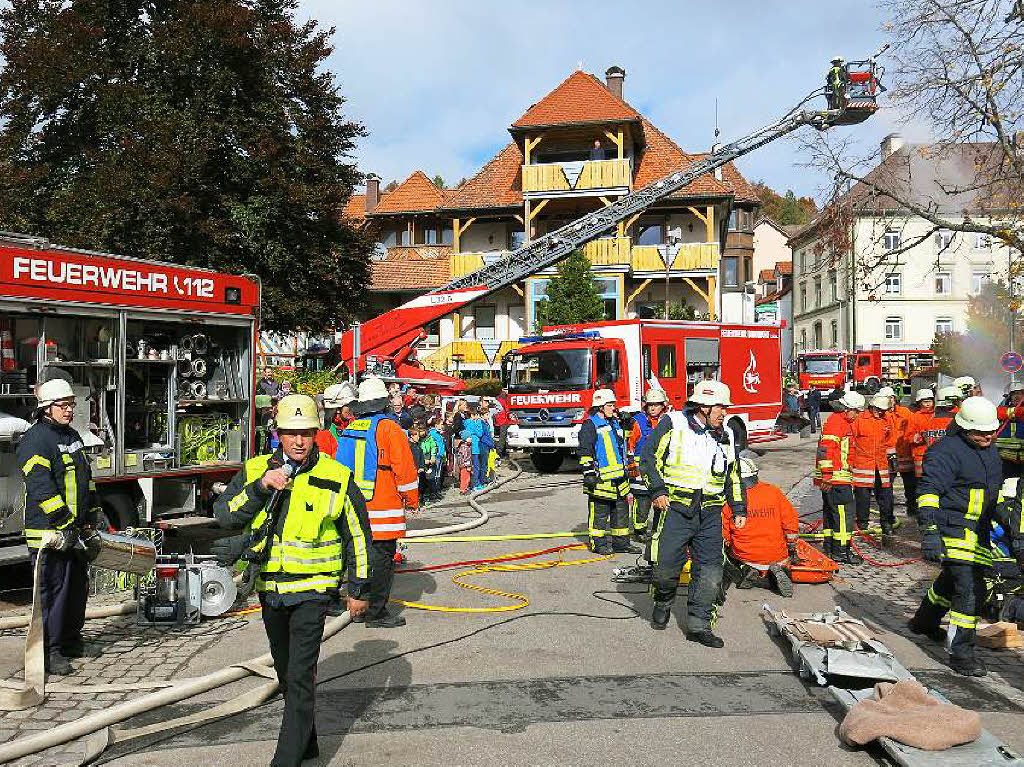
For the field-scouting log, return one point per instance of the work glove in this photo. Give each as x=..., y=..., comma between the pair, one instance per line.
x=590, y=480
x=229, y=550
x=931, y=545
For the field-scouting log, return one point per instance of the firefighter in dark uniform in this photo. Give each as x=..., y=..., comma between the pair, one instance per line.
x=835, y=83
x=321, y=530
x=692, y=469
x=603, y=460
x=60, y=499
x=956, y=499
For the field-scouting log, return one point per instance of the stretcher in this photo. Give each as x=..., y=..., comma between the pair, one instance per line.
x=845, y=656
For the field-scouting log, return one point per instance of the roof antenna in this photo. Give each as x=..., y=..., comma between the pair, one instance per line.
x=717, y=132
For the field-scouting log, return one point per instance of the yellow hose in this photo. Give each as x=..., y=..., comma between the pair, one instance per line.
x=476, y=538
x=520, y=600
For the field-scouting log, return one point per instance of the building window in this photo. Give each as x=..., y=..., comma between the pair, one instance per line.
x=891, y=240
x=667, y=361
x=943, y=284
x=483, y=322
x=817, y=335
x=803, y=261
x=608, y=289
x=944, y=239
x=650, y=232
x=402, y=236
x=516, y=239
x=748, y=269
x=893, y=328
x=730, y=272
x=433, y=334
x=803, y=297
x=978, y=280
x=982, y=242
x=835, y=334
x=817, y=292
x=803, y=338
x=893, y=284
x=833, y=280
x=943, y=325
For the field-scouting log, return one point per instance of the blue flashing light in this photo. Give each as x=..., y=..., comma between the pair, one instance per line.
x=571, y=336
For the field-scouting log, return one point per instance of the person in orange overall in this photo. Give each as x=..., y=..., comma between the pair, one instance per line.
x=873, y=462
x=833, y=476
x=377, y=451
x=901, y=420
x=761, y=542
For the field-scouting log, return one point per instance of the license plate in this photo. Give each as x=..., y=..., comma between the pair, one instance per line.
x=541, y=433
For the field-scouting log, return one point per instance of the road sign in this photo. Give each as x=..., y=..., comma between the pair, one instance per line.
x=1012, y=362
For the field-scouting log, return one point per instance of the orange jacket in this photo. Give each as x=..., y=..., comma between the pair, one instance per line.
x=770, y=528
x=832, y=466
x=928, y=429
x=872, y=442
x=901, y=419
x=396, y=487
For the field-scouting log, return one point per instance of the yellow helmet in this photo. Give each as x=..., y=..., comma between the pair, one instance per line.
x=297, y=411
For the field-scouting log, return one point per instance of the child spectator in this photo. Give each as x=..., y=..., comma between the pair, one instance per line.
x=464, y=464
x=473, y=432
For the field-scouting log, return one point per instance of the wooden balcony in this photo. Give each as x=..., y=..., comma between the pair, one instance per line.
x=466, y=263
x=471, y=355
x=608, y=251
x=692, y=257
x=568, y=178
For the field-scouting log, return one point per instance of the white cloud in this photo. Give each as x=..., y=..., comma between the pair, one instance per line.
x=438, y=83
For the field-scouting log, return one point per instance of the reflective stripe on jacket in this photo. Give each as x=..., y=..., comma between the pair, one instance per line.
x=902, y=420
x=833, y=461
x=929, y=428
x=603, y=450
x=872, y=442
x=692, y=458
x=379, y=454
x=1010, y=441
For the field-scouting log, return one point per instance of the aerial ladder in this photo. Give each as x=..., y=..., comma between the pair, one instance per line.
x=385, y=345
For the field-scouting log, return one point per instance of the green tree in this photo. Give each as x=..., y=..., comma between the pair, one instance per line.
x=571, y=295
x=788, y=210
x=439, y=181
x=201, y=132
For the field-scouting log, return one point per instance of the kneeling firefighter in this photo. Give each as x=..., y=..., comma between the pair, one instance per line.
x=603, y=460
x=956, y=500
x=305, y=523
x=59, y=496
x=692, y=468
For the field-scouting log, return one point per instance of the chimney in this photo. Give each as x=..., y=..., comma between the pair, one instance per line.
x=613, y=77
x=372, y=191
x=718, y=171
x=890, y=144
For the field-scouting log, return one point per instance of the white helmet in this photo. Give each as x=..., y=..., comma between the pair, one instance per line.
x=655, y=396
x=852, y=400
x=964, y=383
x=946, y=395
x=923, y=394
x=339, y=395
x=711, y=393
x=837, y=59
x=54, y=390
x=297, y=411
x=881, y=401
x=886, y=391
x=603, y=397
x=977, y=414
x=1016, y=383
x=372, y=388
x=748, y=469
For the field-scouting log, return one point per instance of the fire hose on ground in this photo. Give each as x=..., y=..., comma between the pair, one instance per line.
x=100, y=724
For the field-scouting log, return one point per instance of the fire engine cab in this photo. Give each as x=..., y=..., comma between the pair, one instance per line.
x=551, y=379
x=161, y=360
x=865, y=370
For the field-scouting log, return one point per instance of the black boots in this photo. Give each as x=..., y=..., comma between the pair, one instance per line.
x=659, y=618
x=57, y=664
x=919, y=627
x=781, y=581
x=384, y=620
x=968, y=666
x=706, y=638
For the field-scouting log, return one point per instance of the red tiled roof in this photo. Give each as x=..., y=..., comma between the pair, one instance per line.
x=355, y=208
x=405, y=271
x=417, y=193
x=767, y=275
x=580, y=98
x=784, y=267
x=497, y=185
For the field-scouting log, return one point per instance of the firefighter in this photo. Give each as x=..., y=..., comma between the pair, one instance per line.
x=762, y=541
x=872, y=463
x=957, y=495
x=968, y=386
x=338, y=401
x=834, y=477
x=378, y=452
x=59, y=496
x=603, y=460
x=930, y=423
x=1010, y=441
x=306, y=507
x=835, y=83
x=904, y=422
x=644, y=422
x=692, y=469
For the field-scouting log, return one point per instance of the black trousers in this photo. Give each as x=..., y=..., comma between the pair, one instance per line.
x=608, y=516
x=837, y=506
x=960, y=591
x=382, y=575
x=641, y=510
x=63, y=590
x=698, y=527
x=885, y=504
x=294, y=634
x=910, y=490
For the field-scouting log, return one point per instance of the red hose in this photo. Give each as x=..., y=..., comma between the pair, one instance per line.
x=872, y=561
x=491, y=560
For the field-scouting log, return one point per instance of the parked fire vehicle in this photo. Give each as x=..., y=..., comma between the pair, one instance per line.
x=823, y=368
x=552, y=378
x=161, y=360
x=866, y=370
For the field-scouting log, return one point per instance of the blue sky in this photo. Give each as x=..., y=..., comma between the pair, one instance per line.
x=437, y=83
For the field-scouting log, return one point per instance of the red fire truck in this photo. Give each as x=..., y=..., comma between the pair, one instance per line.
x=551, y=380
x=866, y=370
x=161, y=358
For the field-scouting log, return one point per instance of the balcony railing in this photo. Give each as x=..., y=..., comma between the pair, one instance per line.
x=692, y=257
x=586, y=175
x=608, y=251
x=470, y=353
x=466, y=263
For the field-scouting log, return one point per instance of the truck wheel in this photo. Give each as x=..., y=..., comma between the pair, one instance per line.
x=547, y=463
x=120, y=508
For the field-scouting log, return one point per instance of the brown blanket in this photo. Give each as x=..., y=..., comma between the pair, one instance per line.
x=905, y=712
